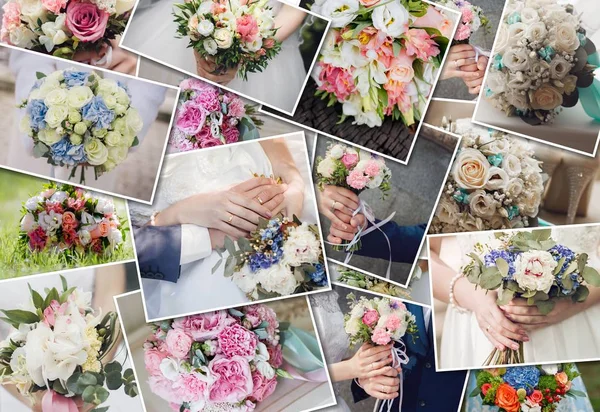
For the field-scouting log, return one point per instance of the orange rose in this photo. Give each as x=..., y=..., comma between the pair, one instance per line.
x=536, y=396
x=507, y=398
x=69, y=221
x=562, y=378
x=101, y=230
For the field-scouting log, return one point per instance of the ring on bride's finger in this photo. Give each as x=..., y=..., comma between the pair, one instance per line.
x=455, y=63
x=333, y=206
x=382, y=388
x=487, y=329
x=371, y=365
x=230, y=218
x=259, y=200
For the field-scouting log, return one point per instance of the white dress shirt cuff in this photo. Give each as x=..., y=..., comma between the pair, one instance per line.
x=195, y=243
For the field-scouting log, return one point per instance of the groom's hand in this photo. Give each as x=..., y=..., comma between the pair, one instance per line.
x=347, y=229
x=385, y=386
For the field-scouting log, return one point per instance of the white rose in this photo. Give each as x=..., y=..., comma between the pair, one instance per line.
x=336, y=151
x=570, y=83
x=470, y=170
x=482, y=204
x=529, y=203
x=529, y=16
x=79, y=96
x=55, y=115
x=516, y=59
x=33, y=202
x=210, y=46
x=123, y=6
x=534, y=270
x=118, y=154
x=170, y=368
x=326, y=167
x=559, y=68
x=277, y=279
x=565, y=38
x=515, y=187
x=498, y=179
x=545, y=98
x=447, y=211
x=133, y=121
x=302, y=246
x=536, y=32
x=206, y=27
x=223, y=38
x=56, y=97
x=96, y=152
x=341, y=12
x=84, y=237
x=518, y=100
x=28, y=223
x=502, y=40
x=511, y=165
x=49, y=136
x=391, y=18
x=497, y=81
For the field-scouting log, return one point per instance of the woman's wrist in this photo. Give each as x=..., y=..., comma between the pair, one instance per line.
x=341, y=371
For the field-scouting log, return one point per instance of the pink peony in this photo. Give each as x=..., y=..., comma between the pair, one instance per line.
x=372, y=169
x=393, y=322
x=163, y=387
x=210, y=142
x=247, y=27
x=191, y=117
x=435, y=19
x=263, y=387
x=275, y=355
x=420, y=44
x=357, y=180
x=336, y=80
x=209, y=99
x=236, y=107
x=381, y=336
x=231, y=134
x=55, y=6
x=152, y=359
x=195, y=84
x=86, y=21
x=179, y=343
x=236, y=340
x=467, y=15
x=349, y=159
x=463, y=32
x=370, y=317
x=11, y=18
x=191, y=387
x=233, y=379
x=265, y=313
x=37, y=239
x=205, y=325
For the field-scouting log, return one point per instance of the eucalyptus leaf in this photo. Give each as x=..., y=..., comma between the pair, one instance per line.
x=244, y=245
x=542, y=234
x=581, y=262
x=503, y=267
x=73, y=384
x=131, y=389
x=235, y=312
x=570, y=269
x=505, y=296
x=581, y=294
x=113, y=366
x=216, y=266
x=528, y=294
x=591, y=276
x=114, y=380
x=87, y=379
x=545, y=306
x=40, y=149
x=559, y=266
x=491, y=278
x=229, y=245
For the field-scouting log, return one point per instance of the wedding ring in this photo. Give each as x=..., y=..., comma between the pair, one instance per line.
x=259, y=200
x=333, y=206
x=382, y=388
x=488, y=327
x=230, y=218
x=455, y=63
x=371, y=366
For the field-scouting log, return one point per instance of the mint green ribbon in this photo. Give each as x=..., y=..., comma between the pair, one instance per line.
x=590, y=96
x=301, y=350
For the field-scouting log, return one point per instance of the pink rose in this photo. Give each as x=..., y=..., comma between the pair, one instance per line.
x=381, y=336
x=336, y=80
x=55, y=6
x=231, y=134
x=435, y=19
x=191, y=117
x=11, y=18
x=370, y=317
x=269, y=43
x=236, y=340
x=191, y=387
x=233, y=379
x=210, y=142
x=86, y=21
x=205, y=325
x=247, y=27
x=152, y=359
x=420, y=44
x=357, y=180
x=209, y=99
x=349, y=159
x=393, y=322
x=69, y=221
x=263, y=387
x=275, y=355
x=179, y=343
x=372, y=169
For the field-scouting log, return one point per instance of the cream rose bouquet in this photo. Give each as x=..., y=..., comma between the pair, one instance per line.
x=532, y=266
x=495, y=183
x=79, y=119
x=60, y=347
x=542, y=61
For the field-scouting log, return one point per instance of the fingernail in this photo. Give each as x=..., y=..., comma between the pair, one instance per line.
x=525, y=339
x=515, y=346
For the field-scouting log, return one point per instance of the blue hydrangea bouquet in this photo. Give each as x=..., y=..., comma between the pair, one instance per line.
x=532, y=266
x=79, y=119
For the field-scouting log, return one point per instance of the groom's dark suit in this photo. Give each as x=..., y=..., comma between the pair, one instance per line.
x=159, y=251
x=423, y=389
x=404, y=240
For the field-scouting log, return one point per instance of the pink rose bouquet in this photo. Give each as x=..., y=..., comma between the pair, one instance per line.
x=380, y=58
x=472, y=19
x=64, y=27
x=223, y=360
x=233, y=34
x=208, y=116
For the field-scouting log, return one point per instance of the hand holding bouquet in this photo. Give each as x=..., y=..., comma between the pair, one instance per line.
x=472, y=19
x=208, y=116
x=60, y=346
x=78, y=119
x=234, y=34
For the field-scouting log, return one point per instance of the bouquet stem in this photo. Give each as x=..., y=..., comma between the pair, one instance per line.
x=343, y=248
x=505, y=357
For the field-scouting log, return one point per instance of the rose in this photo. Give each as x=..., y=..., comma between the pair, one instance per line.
x=370, y=317
x=336, y=151
x=471, y=169
x=178, y=343
x=69, y=221
x=247, y=27
x=507, y=398
x=84, y=237
x=79, y=96
x=210, y=46
x=565, y=38
x=391, y=18
x=55, y=115
x=482, y=204
x=559, y=67
x=301, y=246
x=536, y=32
x=278, y=279
x=534, y=270
x=102, y=229
x=497, y=179
x=205, y=27
x=233, y=381
x=56, y=97
x=123, y=6
x=96, y=152
x=133, y=121
x=223, y=38
x=28, y=223
x=275, y=355
x=502, y=40
x=152, y=359
x=536, y=396
x=86, y=21
x=263, y=387
x=485, y=388
x=236, y=340
x=561, y=378
x=191, y=117
x=546, y=98
x=205, y=325
x=515, y=187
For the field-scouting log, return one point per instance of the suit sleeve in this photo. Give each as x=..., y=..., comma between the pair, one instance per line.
x=158, y=251
x=404, y=240
x=358, y=393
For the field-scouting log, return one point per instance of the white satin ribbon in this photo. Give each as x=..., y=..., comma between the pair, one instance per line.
x=480, y=52
x=105, y=61
x=399, y=357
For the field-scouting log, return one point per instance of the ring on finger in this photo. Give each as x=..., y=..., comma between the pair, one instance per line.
x=230, y=218
x=382, y=388
x=487, y=329
x=259, y=200
x=333, y=205
x=371, y=366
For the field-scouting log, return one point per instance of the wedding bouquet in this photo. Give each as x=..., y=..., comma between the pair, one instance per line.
x=380, y=58
x=359, y=280
x=527, y=388
x=208, y=116
x=495, y=183
x=540, y=61
x=532, y=266
x=78, y=119
x=280, y=258
x=355, y=170
x=70, y=221
x=227, y=360
x=472, y=19
x=234, y=34
x=63, y=27
x=59, y=346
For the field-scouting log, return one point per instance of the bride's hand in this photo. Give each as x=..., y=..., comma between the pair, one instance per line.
x=383, y=386
x=347, y=229
x=121, y=60
x=293, y=200
x=371, y=360
x=530, y=318
x=265, y=191
x=206, y=68
x=334, y=198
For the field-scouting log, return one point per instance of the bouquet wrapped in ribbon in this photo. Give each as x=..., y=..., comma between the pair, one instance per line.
x=232, y=34
x=495, y=183
x=280, y=258
x=542, y=61
x=527, y=388
x=380, y=58
x=64, y=27
x=472, y=19
x=61, y=347
x=208, y=116
x=532, y=266
x=227, y=360
x=79, y=119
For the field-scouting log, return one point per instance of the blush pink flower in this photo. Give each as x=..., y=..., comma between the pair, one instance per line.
x=191, y=117
x=179, y=343
x=376, y=45
x=233, y=379
x=152, y=359
x=76, y=204
x=463, y=32
x=69, y=221
x=336, y=80
x=467, y=15
x=210, y=142
x=269, y=43
x=369, y=3
x=420, y=44
x=435, y=19
x=231, y=134
x=48, y=192
x=163, y=387
x=55, y=6
x=357, y=180
x=275, y=355
x=393, y=322
x=236, y=340
x=372, y=169
x=209, y=99
x=54, y=207
x=349, y=159
x=51, y=311
x=399, y=96
x=191, y=387
x=194, y=84
x=265, y=313
x=205, y=325
x=236, y=107
x=401, y=69
x=247, y=27
x=37, y=239
x=11, y=18
x=381, y=336
x=86, y=21
x=370, y=317
x=263, y=387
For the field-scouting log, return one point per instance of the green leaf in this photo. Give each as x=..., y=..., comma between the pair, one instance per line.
x=102, y=409
x=73, y=384
x=505, y=296
x=581, y=294
x=136, y=142
x=39, y=75
x=545, y=306
x=87, y=379
x=52, y=295
x=235, y=312
x=418, y=68
x=216, y=266
x=40, y=149
x=581, y=262
x=58, y=387
x=131, y=389
x=591, y=276
x=244, y=244
x=559, y=266
x=37, y=299
x=128, y=375
x=570, y=269
x=541, y=234
x=502, y=267
x=491, y=278
x=577, y=393
x=283, y=373
x=65, y=285
x=114, y=380
x=229, y=245
x=113, y=366
x=21, y=316
x=475, y=392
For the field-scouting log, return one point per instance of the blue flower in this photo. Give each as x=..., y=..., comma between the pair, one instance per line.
x=546, y=53
x=514, y=18
x=124, y=87
x=75, y=78
x=97, y=113
x=36, y=109
x=461, y=196
x=495, y=159
x=64, y=153
x=523, y=377
x=513, y=211
x=558, y=252
x=497, y=64
x=491, y=257
x=319, y=277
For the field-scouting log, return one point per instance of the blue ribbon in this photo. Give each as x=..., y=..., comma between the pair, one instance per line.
x=590, y=96
x=301, y=352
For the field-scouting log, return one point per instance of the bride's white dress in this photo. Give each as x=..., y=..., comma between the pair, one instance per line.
x=279, y=85
x=201, y=171
x=465, y=346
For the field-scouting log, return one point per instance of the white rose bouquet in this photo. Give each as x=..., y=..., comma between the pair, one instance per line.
x=495, y=183
x=280, y=258
x=542, y=60
x=79, y=119
x=60, y=347
x=233, y=34
x=532, y=266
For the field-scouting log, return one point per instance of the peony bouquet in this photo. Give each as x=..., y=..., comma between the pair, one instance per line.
x=70, y=221
x=527, y=388
x=472, y=19
x=531, y=266
x=233, y=34
x=208, y=116
x=64, y=27
x=359, y=280
x=281, y=257
x=540, y=62
x=79, y=119
x=380, y=58
x=495, y=183
x=60, y=348
x=227, y=360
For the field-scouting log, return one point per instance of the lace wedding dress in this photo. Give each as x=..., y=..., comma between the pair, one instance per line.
x=465, y=346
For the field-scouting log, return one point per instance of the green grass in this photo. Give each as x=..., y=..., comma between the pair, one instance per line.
x=590, y=373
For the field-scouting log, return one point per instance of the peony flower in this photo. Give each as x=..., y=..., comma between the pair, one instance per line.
x=263, y=387
x=191, y=117
x=357, y=180
x=534, y=270
x=233, y=379
x=277, y=279
x=301, y=246
x=236, y=340
x=471, y=169
x=205, y=325
x=247, y=27
x=179, y=343
x=86, y=21
x=152, y=360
